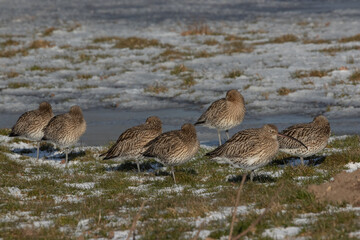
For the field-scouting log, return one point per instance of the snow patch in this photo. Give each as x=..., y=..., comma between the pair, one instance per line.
x=352, y=167
x=281, y=233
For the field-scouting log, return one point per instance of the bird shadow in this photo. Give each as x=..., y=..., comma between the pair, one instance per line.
x=260, y=178
x=130, y=166
x=294, y=161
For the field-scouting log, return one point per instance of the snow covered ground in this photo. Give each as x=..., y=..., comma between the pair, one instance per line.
x=69, y=53
x=75, y=69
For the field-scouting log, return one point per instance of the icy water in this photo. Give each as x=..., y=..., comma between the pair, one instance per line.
x=104, y=125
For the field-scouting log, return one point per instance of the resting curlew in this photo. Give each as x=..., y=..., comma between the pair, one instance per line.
x=224, y=113
x=30, y=125
x=249, y=149
x=314, y=135
x=66, y=129
x=131, y=143
x=174, y=147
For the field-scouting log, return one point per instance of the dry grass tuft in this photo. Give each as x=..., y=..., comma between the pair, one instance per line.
x=316, y=41
x=49, y=31
x=355, y=76
x=18, y=85
x=136, y=43
x=109, y=39
x=188, y=81
x=171, y=55
x=237, y=47
x=333, y=50
x=9, y=42
x=198, y=29
x=355, y=38
x=203, y=54
x=40, y=44
x=234, y=74
x=311, y=73
x=13, y=52
x=285, y=38
x=211, y=42
x=157, y=88
x=84, y=76
x=11, y=74
x=284, y=91
x=179, y=69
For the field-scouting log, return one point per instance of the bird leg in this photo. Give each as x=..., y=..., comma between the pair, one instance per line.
x=38, y=149
x=66, y=158
x=138, y=166
x=227, y=133
x=302, y=160
x=219, y=137
x=251, y=175
x=173, y=174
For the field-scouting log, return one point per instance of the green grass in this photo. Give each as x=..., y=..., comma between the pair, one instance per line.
x=234, y=74
x=18, y=85
x=203, y=188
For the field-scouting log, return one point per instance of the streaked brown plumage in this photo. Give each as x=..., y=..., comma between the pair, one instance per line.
x=66, y=129
x=248, y=149
x=174, y=147
x=314, y=135
x=30, y=125
x=224, y=113
x=131, y=143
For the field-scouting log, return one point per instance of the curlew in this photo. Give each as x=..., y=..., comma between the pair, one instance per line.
x=65, y=129
x=314, y=135
x=224, y=113
x=131, y=143
x=30, y=125
x=249, y=149
x=174, y=147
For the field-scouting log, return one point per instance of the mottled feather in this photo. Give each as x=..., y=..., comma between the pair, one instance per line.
x=131, y=142
x=174, y=147
x=248, y=149
x=224, y=113
x=31, y=124
x=66, y=129
x=314, y=135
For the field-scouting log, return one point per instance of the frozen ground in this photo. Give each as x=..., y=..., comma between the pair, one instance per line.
x=69, y=53
x=98, y=199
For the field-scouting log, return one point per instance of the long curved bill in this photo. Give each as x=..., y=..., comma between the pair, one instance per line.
x=292, y=138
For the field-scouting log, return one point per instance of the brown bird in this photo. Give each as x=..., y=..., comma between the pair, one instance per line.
x=249, y=149
x=30, y=125
x=314, y=135
x=131, y=143
x=66, y=129
x=174, y=147
x=224, y=113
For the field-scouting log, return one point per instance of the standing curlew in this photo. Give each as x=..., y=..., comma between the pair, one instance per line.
x=30, y=125
x=314, y=135
x=174, y=147
x=131, y=143
x=66, y=129
x=224, y=113
x=249, y=149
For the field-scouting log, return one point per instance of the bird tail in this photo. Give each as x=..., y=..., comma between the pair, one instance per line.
x=199, y=123
x=12, y=134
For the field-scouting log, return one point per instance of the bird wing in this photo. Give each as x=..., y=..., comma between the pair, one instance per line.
x=303, y=132
x=26, y=120
x=130, y=142
x=214, y=110
x=239, y=145
x=163, y=145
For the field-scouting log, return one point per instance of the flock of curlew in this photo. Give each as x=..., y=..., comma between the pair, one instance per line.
x=248, y=149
